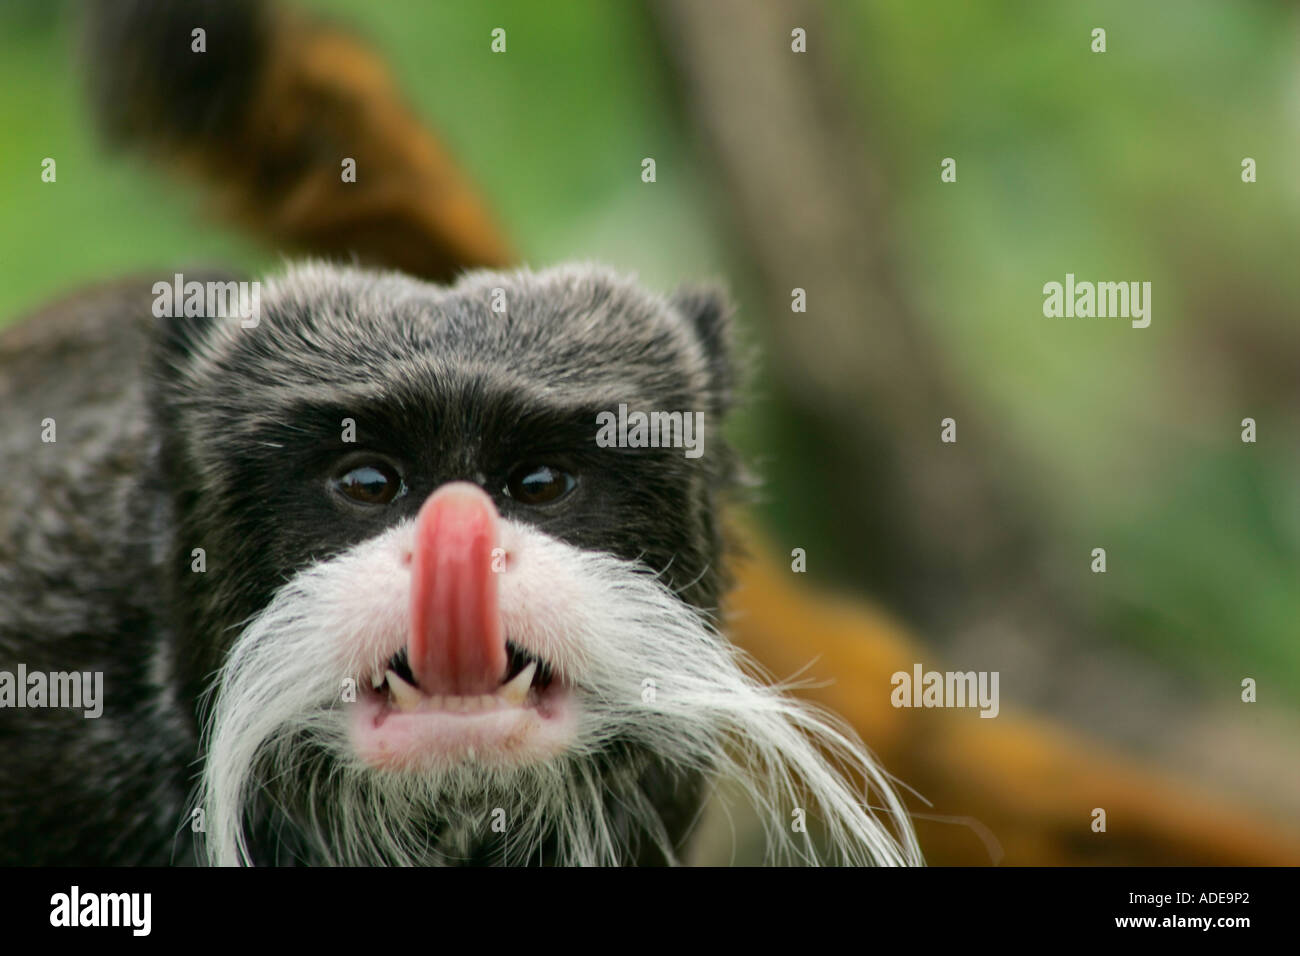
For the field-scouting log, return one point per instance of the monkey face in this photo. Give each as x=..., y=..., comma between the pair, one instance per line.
x=460, y=582
x=438, y=583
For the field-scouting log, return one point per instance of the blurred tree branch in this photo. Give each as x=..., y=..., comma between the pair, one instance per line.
x=936, y=527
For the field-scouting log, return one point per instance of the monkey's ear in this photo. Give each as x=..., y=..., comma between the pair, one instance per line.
x=708, y=311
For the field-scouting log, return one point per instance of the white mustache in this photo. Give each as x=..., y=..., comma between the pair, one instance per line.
x=645, y=668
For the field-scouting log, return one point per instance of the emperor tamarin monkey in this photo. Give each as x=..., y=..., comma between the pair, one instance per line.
x=363, y=588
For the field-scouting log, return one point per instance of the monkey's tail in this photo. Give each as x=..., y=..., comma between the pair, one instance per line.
x=294, y=124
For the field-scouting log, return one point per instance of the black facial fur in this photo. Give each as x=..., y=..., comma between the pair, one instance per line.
x=197, y=434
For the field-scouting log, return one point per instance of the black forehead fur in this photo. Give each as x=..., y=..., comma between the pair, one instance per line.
x=447, y=389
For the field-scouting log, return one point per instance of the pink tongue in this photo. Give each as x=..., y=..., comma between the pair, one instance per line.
x=456, y=645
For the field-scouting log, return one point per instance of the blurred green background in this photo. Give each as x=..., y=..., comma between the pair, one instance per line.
x=1122, y=166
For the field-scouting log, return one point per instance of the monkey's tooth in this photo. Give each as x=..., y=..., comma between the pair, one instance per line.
x=377, y=681
x=436, y=702
x=517, y=690
x=488, y=702
x=404, y=695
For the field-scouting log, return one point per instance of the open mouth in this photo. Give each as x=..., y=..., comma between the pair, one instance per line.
x=527, y=682
x=458, y=691
x=397, y=725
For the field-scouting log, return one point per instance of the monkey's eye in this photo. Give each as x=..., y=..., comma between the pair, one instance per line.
x=374, y=483
x=539, y=484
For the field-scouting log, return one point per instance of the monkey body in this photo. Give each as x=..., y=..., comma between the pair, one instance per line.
x=365, y=587
x=82, y=587
x=101, y=525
